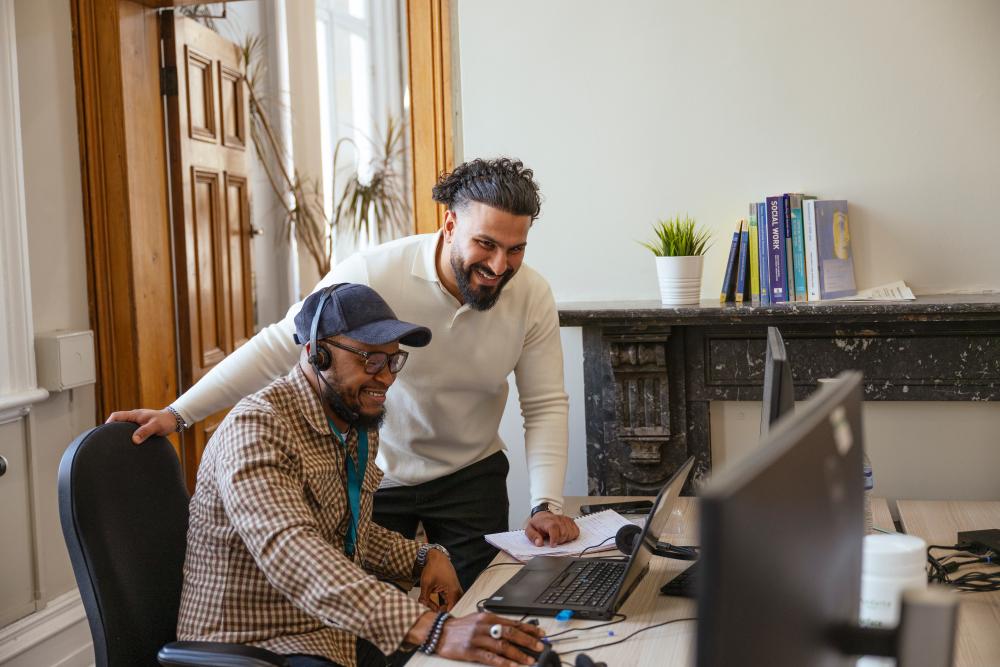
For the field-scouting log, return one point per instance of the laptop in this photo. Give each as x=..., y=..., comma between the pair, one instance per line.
x=589, y=587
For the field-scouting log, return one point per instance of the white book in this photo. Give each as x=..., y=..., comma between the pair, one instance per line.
x=812, y=252
x=597, y=533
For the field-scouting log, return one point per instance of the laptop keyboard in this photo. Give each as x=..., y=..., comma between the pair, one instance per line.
x=585, y=584
x=684, y=584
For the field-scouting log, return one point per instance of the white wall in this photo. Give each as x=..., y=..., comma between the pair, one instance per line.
x=56, y=252
x=629, y=112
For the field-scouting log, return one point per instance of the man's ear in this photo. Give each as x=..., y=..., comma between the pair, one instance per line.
x=448, y=228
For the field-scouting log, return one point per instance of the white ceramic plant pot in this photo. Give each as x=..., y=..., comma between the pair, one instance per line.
x=680, y=280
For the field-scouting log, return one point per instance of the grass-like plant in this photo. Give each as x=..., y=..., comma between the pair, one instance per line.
x=678, y=238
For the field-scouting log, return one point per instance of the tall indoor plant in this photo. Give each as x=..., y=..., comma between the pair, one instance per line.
x=679, y=247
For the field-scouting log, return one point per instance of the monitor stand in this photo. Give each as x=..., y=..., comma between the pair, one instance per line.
x=925, y=636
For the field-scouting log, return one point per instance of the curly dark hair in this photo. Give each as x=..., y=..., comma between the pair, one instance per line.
x=502, y=183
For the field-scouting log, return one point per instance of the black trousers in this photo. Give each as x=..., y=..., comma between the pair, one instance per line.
x=456, y=510
x=367, y=656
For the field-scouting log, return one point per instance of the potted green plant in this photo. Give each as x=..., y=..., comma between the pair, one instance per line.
x=679, y=247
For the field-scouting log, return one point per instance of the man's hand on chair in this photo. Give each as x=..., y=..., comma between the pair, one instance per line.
x=151, y=422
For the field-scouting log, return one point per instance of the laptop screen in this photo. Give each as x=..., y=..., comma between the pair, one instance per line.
x=655, y=524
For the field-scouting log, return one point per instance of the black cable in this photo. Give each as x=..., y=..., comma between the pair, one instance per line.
x=627, y=637
x=594, y=546
x=941, y=568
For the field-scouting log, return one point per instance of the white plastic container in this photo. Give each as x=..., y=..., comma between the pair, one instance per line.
x=891, y=563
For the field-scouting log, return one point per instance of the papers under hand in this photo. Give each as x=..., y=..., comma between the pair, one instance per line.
x=897, y=291
x=599, y=528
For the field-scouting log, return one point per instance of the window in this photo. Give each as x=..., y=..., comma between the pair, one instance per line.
x=361, y=50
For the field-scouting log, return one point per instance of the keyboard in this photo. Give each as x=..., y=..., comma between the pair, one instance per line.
x=585, y=584
x=684, y=585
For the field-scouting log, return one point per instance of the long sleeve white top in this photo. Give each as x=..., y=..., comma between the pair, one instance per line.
x=443, y=411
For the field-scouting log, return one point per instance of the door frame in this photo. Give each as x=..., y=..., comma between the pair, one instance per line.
x=123, y=160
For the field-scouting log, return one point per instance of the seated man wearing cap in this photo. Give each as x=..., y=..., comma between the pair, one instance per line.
x=282, y=552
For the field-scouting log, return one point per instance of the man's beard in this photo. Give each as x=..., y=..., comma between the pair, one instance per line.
x=331, y=394
x=482, y=298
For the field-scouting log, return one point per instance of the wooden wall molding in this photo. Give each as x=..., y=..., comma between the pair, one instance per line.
x=429, y=32
x=123, y=163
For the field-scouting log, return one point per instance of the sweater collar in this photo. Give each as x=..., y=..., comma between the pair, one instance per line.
x=425, y=260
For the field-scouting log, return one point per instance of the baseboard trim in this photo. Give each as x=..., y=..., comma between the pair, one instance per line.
x=30, y=631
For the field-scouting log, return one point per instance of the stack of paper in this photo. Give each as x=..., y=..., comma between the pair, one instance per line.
x=595, y=529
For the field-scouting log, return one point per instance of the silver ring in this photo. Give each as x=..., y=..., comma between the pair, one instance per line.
x=496, y=631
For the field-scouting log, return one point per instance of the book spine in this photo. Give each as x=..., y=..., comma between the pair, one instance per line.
x=765, y=289
x=729, y=279
x=741, y=273
x=798, y=247
x=754, y=259
x=776, y=261
x=812, y=255
x=789, y=277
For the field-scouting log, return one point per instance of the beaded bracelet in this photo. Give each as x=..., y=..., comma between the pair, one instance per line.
x=434, y=636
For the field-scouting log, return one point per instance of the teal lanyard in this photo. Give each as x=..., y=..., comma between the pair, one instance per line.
x=355, y=475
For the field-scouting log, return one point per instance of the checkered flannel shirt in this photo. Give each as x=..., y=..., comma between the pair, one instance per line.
x=265, y=558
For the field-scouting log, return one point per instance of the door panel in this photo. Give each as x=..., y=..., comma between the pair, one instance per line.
x=211, y=207
x=238, y=237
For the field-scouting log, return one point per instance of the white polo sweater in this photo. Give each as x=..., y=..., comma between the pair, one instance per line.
x=444, y=409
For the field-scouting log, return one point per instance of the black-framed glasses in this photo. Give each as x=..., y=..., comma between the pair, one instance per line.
x=376, y=361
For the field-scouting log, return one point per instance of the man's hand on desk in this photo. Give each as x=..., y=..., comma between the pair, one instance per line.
x=468, y=638
x=555, y=528
x=438, y=577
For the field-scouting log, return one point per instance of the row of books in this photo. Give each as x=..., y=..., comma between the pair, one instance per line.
x=791, y=247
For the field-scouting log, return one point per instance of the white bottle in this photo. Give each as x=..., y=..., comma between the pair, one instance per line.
x=891, y=563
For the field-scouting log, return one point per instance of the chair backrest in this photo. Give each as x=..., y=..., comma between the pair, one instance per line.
x=124, y=513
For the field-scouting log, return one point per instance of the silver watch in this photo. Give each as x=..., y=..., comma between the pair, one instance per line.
x=424, y=549
x=180, y=424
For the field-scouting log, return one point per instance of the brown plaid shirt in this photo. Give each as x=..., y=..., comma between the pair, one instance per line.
x=265, y=558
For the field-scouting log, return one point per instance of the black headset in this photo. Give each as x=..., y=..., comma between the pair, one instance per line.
x=627, y=541
x=319, y=357
x=549, y=658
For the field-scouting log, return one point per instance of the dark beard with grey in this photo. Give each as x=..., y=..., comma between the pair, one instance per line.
x=482, y=298
x=333, y=399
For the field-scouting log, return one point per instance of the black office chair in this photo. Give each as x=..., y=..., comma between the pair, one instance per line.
x=124, y=513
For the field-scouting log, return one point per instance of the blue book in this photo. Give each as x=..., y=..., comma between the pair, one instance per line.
x=742, y=274
x=789, y=276
x=729, y=279
x=765, y=289
x=798, y=271
x=777, y=263
x=835, y=258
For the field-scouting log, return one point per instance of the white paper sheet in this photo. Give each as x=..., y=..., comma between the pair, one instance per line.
x=594, y=529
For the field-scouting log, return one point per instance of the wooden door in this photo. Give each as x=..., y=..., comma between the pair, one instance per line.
x=207, y=115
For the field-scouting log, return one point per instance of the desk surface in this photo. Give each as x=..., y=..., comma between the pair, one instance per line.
x=667, y=645
x=937, y=522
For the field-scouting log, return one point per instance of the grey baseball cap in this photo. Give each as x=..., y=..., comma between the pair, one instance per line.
x=359, y=313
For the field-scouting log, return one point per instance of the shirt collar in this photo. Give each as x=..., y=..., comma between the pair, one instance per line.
x=309, y=404
x=425, y=260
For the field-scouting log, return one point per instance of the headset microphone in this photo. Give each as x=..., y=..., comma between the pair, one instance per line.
x=627, y=541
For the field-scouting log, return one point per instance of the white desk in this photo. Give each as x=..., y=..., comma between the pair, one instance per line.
x=668, y=645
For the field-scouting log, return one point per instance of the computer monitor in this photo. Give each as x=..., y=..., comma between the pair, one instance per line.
x=779, y=393
x=781, y=539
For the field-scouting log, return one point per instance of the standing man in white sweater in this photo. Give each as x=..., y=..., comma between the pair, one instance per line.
x=490, y=315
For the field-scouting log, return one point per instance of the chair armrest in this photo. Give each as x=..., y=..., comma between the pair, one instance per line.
x=217, y=654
